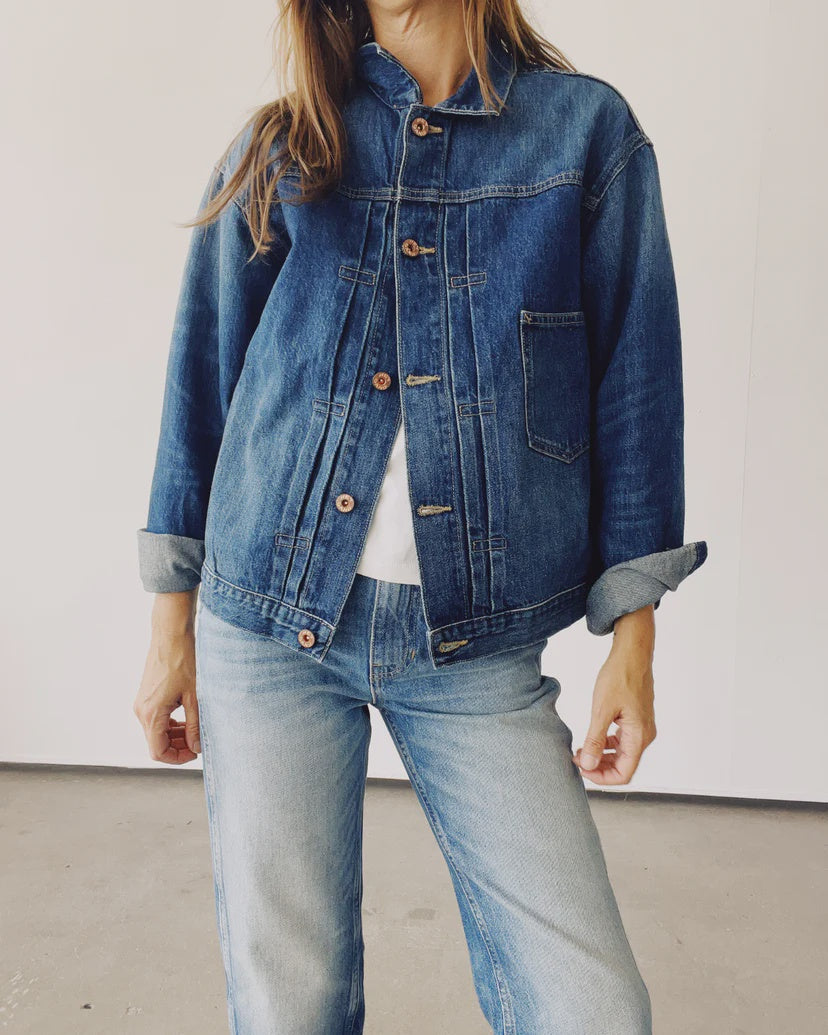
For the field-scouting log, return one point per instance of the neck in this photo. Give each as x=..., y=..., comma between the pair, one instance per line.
x=427, y=37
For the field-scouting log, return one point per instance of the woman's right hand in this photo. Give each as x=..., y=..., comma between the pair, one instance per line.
x=169, y=681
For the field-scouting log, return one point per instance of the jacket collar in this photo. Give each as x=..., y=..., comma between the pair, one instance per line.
x=391, y=81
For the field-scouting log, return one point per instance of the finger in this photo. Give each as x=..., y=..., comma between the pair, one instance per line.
x=631, y=744
x=177, y=756
x=594, y=742
x=607, y=775
x=191, y=725
x=178, y=735
x=161, y=733
x=173, y=754
x=615, y=768
x=612, y=743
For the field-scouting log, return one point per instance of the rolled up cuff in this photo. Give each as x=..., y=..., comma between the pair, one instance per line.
x=632, y=584
x=169, y=563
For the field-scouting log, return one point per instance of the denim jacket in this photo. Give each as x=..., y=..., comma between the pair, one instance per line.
x=499, y=280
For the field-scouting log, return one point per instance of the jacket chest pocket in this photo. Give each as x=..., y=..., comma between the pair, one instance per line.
x=556, y=382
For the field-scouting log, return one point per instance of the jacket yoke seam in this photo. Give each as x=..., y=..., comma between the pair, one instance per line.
x=572, y=177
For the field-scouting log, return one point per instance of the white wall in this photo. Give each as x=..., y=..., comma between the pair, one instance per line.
x=111, y=119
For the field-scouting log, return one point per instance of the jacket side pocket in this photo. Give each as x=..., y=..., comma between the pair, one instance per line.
x=555, y=360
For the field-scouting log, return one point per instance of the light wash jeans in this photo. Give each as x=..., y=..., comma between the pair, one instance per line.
x=285, y=747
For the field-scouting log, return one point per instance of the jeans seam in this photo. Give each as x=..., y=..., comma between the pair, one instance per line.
x=372, y=685
x=224, y=926
x=504, y=996
x=357, y=906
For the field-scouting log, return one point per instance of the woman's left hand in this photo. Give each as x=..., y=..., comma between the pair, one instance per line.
x=624, y=694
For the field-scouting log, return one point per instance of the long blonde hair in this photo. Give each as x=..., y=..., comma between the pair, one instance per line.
x=315, y=44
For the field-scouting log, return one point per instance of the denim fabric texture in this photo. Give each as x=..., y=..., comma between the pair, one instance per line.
x=285, y=749
x=510, y=269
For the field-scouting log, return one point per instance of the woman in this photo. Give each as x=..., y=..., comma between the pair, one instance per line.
x=426, y=371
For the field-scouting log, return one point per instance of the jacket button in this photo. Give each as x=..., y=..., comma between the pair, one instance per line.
x=381, y=380
x=410, y=247
x=419, y=126
x=306, y=637
x=344, y=502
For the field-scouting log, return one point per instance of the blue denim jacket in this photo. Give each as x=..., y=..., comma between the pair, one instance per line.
x=511, y=271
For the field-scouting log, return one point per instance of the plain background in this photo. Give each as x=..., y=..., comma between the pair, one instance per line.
x=112, y=117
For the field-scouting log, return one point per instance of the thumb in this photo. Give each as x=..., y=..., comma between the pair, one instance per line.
x=594, y=742
x=191, y=724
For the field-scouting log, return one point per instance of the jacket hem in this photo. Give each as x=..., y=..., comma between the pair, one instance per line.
x=449, y=644
x=485, y=635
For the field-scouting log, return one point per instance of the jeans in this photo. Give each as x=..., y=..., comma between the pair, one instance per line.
x=285, y=750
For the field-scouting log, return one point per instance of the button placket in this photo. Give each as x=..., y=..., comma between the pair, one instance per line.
x=421, y=332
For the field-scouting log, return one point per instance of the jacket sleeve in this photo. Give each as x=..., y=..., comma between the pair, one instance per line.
x=220, y=302
x=637, y=433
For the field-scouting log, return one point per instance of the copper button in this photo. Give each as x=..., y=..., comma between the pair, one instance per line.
x=344, y=502
x=419, y=126
x=306, y=637
x=381, y=380
x=410, y=246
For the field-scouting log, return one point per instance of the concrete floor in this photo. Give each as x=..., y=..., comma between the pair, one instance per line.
x=107, y=922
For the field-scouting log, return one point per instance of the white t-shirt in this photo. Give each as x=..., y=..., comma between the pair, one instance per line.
x=389, y=552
